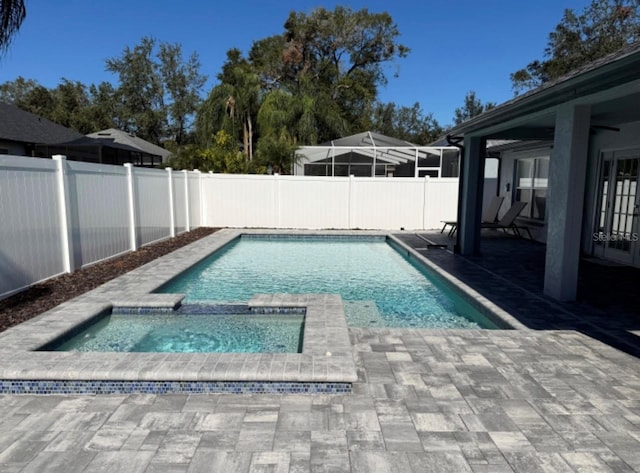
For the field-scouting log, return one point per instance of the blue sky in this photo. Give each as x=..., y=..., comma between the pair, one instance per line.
x=455, y=46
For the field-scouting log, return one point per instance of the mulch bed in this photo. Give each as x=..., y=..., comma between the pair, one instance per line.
x=44, y=296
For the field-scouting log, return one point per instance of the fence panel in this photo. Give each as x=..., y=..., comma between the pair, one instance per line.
x=179, y=201
x=152, y=205
x=99, y=211
x=313, y=202
x=30, y=237
x=234, y=200
x=387, y=203
x=441, y=202
x=195, y=209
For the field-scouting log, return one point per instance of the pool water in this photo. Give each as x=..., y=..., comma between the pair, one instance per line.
x=191, y=333
x=380, y=287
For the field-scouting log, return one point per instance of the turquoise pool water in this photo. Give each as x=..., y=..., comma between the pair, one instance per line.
x=191, y=333
x=380, y=287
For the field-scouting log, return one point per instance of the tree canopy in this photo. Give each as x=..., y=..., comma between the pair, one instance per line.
x=603, y=27
x=316, y=80
x=471, y=107
x=158, y=90
x=156, y=97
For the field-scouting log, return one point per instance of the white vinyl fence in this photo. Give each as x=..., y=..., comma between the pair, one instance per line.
x=57, y=215
x=328, y=202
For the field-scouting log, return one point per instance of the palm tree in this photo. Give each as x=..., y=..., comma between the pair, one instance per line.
x=229, y=104
x=12, y=13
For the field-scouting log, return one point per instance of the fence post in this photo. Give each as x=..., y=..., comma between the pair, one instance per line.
x=351, y=203
x=133, y=216
x=425, y=201
x=200, y=202
x=187, y=213
x=172, y=214
x=276, y=199
x=64, y=213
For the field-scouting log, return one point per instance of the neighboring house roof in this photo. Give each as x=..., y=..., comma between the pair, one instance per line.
x=25, y=127
x=123, y=140
x=612, y=70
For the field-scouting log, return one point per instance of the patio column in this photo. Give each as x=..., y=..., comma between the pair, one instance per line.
x=567, y=175
x=470, y=200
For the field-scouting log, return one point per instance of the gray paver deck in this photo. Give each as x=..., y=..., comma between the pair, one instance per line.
x=549, y=400
x=511, y=401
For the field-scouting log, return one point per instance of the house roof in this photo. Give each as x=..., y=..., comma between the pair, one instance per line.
x=25, y=127
x=123, y=140
x=615, y=69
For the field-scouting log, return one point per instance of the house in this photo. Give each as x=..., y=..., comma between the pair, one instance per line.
x=575, y=161
x=21, y=131
x=111, y=146
x=370, y=154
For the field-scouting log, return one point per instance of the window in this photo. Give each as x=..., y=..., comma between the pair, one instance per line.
x=531, y=185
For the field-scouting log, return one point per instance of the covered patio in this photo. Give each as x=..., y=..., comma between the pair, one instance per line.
x=591, y=119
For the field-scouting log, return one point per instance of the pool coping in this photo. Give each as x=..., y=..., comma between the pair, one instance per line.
x=325, y=365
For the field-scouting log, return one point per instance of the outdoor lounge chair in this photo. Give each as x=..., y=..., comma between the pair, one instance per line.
x=490, y=215
x=508, y=221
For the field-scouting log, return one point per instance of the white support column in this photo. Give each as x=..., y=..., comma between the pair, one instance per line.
x=415, y=170
x=565, y=201
x=187, y=214
x=64, y=213
x=471, y=199
x=133, y=216
x=172, y=212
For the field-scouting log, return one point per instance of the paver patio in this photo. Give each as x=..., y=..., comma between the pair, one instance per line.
x=548, y=400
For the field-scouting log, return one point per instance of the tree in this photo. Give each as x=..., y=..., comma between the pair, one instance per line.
x=472, y=106
x=222, y=155
x=12, y=14
x=158, y=93
x=334, y=57
x=317, y=80
x=405, y=123
x=603, y=27
x=233, y=104
x=140, y=95
x=183, y=83
x=16, y=91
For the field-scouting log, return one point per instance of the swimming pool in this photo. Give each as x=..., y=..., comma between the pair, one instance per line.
x=379, y=286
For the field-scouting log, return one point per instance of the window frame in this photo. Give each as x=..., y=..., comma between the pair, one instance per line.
x=536, y=183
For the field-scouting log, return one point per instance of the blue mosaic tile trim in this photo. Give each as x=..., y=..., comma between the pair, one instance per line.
x=278, y=310
x=165, y=387
x=141, y=310
x=266, y=236
x=209, y=309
